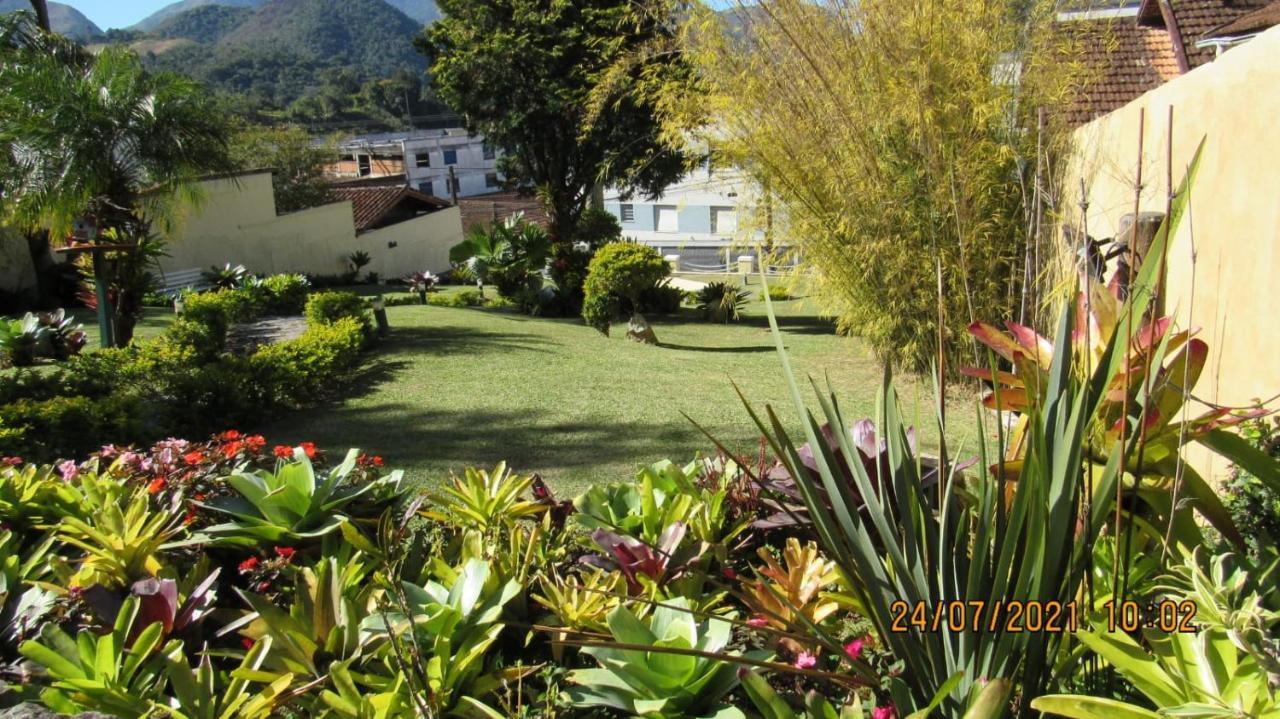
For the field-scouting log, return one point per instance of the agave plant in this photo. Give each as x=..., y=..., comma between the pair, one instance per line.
x=420, y=283
x=291, y=505
x=644, y=672
x=720, y=302
x=20, y=338
x=783, y=594
x=227, y=277
x=66, y=338
x=104, y=673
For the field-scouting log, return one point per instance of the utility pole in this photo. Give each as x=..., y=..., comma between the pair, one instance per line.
x=453, y=186
x=42, y=14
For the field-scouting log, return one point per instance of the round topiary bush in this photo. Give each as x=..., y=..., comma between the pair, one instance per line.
x=622, y=270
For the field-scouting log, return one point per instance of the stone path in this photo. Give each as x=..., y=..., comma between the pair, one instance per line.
x=246, y=337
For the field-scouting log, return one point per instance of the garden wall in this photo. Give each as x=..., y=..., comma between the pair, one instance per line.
x=236, y=222
x=1226, y=257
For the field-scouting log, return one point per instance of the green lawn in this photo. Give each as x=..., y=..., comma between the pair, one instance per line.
x=458, y=387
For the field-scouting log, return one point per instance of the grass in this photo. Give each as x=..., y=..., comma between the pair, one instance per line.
x=457, y=387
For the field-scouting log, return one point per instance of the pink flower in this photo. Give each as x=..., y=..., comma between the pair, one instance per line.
x=853, y=649
x=11, y=461
x=806, y=660
x=886, y=712
x=757, y=621
x=69, y=470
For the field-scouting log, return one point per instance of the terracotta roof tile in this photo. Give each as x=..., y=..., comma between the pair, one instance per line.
x=1247, y=24
x=483, y=210
x=1119, y=61
x=369, y=204
x=1196, y=18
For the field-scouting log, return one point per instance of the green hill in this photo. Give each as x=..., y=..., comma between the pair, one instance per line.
x=155, y=20
x=62, y=18
x=206, y=24
x=424, y=12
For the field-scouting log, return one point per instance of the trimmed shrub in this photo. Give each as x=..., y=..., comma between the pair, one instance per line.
x=62, y=426
x=286, y=294
x=620, y=271
x=777, y=293
x=300, y=371
x=325, y=308
x=662, y=300
x=465, y=298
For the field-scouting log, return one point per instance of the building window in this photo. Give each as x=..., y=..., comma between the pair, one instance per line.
x=665, y=218
x=423, y=160
x=490, y=179
x=425, y=187
x=450, y=157
x=363, y=165
x=628, y=213
x=724, y=220
x=489, y=152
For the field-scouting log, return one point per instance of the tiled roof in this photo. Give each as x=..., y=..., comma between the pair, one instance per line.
x=370, y=203
x=1119, y=61
x=1196, y=18
x=1247, y=24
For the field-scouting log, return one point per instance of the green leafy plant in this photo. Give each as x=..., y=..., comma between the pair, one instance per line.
x=203, y=693
x=579, y=603
x=286, y=294
x=22, y=603
x=720, y=302
x=227, y=277
x=660, y=668
x=782, y=594
x=420, y=283
x=105, y=673
x=291, y=505
x=20, y=338
x=484, y=501
x=65, y=337
x=621, y=271
x=510, y=254
x=325, y=308
x=440, y=636
x=120, y=532
x=358, y=260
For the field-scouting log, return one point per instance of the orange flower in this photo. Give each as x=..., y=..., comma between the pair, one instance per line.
x=309, y=448
x=283, y=451
x=157, y=485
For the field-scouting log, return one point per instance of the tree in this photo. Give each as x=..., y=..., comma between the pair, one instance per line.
x=898, y=141
x=98, y=137
x=539, y=78
x=297, y=163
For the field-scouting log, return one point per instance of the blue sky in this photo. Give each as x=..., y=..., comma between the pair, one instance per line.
x=116, y=13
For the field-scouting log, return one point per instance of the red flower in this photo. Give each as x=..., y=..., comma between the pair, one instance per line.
x=191, y=516
x=255, y=442
x=377, y=461
x=263, y=587
x=285, y=553
x=757, y=621
x=283, y=451
x=193, y=457
x=729, y=573
x=232, y=449
x=853, y=649
x=229, y=435
x=309, y=448
x=11, y=461
x=156, y=486
x=247, y=643
x=248, y=565
x=200, y=497
x=884, y=713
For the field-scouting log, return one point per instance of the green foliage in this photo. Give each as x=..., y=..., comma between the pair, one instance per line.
x=444, y=633
x=597, y=228
x=19, y=340
x=484, y=501
x=298, y=372
x=641, y=679
x=204, y=24
x=465, y=298
x=777, y=293
x=560, y=99
x=286, y=294
x=511, y=255
x=329, y=307
x=297, y=163
x=720, y=302
x=938, y=154
x=1253, y=504
x=661, y=300
x=118, y=673
x=620, y=271
x=67, y=424
x=292, y=505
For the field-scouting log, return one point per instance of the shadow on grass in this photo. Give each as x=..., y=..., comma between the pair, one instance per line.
x=453, y=339
x=451, y=439
x=721, y=350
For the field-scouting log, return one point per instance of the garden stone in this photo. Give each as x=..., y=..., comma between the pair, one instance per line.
x=247, y=337
x=638, y=330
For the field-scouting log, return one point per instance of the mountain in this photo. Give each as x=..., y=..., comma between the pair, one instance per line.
x=423, y=11
x=62, y=18
x=205, y=24
x=156, y=19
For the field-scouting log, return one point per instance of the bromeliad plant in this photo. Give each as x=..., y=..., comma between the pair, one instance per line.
x=791, y=597
x=662, y=668
x=291, y=505
x=484, y=501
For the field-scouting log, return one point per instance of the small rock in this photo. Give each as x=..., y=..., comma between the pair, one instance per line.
x=35, y=711
x=638, y=330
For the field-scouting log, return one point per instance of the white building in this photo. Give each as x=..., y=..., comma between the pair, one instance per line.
x=708, y=219
x=443, y=163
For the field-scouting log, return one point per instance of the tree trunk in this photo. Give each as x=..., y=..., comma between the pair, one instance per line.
x=42, y=14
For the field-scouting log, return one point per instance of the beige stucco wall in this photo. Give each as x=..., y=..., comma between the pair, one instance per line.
x=235, y=222
x=1224, y=263
x=422, y=243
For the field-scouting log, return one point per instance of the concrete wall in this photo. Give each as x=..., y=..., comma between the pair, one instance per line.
x=422, y=243
x=236, y=222
x=1233, y=227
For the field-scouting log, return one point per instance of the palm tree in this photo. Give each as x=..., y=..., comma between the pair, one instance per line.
x=42, y=14
x=98, y=137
